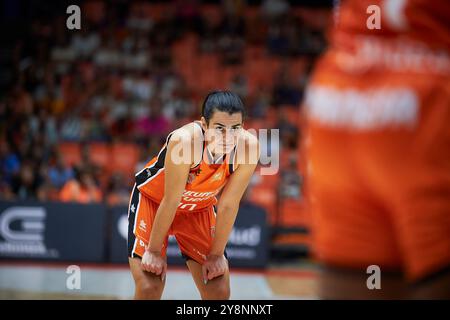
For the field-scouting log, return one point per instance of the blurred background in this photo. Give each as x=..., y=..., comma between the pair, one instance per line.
x=82, y=110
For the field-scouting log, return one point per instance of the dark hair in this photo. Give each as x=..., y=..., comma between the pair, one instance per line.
x=225, y=101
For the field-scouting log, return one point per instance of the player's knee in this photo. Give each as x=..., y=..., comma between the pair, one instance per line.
x=149, y=289
x=220, y=291
x=223, y=293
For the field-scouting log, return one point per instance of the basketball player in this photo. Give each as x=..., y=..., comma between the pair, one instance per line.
x=378, y=151
x=175, y=194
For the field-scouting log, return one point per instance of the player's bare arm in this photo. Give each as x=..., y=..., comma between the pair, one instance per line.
x=176, y=173
x=227, y=209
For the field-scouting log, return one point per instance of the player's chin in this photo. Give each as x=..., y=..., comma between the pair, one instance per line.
x=226, y=148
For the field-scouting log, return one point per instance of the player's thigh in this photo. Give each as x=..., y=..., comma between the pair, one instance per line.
x=148, y=285
x=141, y=214
x=422, y=223
x=353, y=284
x=436, y=286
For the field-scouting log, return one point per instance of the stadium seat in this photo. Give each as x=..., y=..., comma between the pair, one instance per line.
x=294, y=226
x=293, y=213
x=212, y=12
x=70, y=152
x=266, y=197
x=124, y=157
x=292, y=113
x=93, y=11
x=100, y=154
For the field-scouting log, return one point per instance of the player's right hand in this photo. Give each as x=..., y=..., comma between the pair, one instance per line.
x=155, y=263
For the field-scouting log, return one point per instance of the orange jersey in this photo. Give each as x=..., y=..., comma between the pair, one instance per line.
x=414, y=36
x=418, y=20
x=73, y=191
x=377, y=140
x=205, y=180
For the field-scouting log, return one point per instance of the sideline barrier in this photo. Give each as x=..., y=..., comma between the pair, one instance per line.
x=54, y=231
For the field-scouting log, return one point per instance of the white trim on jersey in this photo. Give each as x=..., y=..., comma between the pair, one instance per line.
x=136, y=214
x=151, y=178
x=131, y=199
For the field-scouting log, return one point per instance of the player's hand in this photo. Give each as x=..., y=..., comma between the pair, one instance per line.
x=214, y=267
x=155, y=263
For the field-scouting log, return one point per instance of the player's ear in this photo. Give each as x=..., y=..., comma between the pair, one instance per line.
x=204, y=124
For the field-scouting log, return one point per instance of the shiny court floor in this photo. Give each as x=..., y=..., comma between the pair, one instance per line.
x=20, y=280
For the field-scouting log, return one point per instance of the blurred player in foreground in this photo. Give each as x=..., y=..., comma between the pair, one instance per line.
x=175, y=194
x=378, y=151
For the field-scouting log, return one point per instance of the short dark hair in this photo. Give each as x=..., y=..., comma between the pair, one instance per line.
x=225, y=101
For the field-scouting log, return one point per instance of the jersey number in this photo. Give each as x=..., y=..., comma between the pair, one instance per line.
x=184, y=205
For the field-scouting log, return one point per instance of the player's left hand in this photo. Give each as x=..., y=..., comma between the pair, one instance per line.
x=214, y=267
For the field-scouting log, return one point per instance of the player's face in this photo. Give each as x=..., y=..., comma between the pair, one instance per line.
x=223, y=131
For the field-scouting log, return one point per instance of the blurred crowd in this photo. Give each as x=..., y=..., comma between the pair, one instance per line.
x=119, y=79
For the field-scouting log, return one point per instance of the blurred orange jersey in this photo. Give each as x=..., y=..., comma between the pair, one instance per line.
x=418, y=20
x=205, y=179
x=378, y=137
x=73, y=191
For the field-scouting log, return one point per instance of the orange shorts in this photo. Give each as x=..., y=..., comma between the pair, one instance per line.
x=193, y=230
x=382, y=195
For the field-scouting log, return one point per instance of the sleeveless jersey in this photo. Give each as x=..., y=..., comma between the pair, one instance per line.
x=204, y=182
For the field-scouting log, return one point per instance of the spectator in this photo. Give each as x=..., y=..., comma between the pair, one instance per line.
x=286, y=91
x=231, y=47
x=155, y=124
x=239, y=86
x=277, y=39
x=209, y=34
x=81, y=189
x=290, y=184
x=137, y=20
x=9, y=162
x=120, y=80
x=288, y=130
x=59, y=173
x=6, y=192
x=26, y=183
x=274, y=9
x=118, y=193
x=147, y=150
x=234, y=7
x=178, y=107
x=188, y=16
x=85, y=42
x=260, y=103
x=88, y=166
